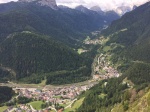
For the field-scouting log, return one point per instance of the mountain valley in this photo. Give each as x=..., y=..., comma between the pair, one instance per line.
x=59, y=59
x=29, y=23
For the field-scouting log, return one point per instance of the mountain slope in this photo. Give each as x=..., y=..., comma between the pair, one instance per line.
x=28, y=53
x=128, y=93
x=129, y=42
x=132, y=31
x=6, y=93
x=67, y=25
x=136, y=24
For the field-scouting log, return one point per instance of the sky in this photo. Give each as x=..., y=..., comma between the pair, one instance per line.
x=104, y=4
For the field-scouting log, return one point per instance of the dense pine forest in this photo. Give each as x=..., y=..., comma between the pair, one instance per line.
x=32, y=57
x=6, y=94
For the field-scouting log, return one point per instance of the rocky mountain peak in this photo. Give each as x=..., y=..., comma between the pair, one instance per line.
x=49, y=3
x=123, y=9
x=96, y=8
x=82, y=9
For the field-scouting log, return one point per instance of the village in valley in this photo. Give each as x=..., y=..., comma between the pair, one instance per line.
x=102, y=67
x=63, y=97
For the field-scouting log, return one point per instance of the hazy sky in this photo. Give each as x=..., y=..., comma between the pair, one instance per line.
x=104, y=4
x=4, y=1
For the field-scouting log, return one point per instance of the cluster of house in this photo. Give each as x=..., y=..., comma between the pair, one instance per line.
x=24, y=108
x=103, y=65
x=56, y=95
x=111, y=72
x=100, y=40
x=95, y=41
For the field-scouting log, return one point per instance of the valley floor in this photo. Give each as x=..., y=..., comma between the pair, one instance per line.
x=63, y=95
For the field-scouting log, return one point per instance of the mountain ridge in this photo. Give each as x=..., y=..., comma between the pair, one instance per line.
x=50, y=3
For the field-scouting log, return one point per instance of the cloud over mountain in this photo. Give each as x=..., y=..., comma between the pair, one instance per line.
x=105, y=5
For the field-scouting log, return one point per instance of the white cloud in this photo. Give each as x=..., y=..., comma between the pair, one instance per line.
x=71, y=3
x=104, y=4
x=5, y=1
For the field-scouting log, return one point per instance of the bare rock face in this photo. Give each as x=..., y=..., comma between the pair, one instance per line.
x=49, y=3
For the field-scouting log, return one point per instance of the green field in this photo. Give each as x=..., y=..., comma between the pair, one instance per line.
x=80, y=51
x=36, y=104
x=3, y=108
x=52, y=111
x=75, y=106
x=57, y=97
x=102, y=95
x=64, y=105
x=43, y=83
x=117, y=108
x=106, y=48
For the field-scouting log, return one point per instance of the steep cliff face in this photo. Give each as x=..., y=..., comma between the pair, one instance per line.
x=49, y=3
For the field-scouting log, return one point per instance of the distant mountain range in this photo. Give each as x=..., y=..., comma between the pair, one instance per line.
x=107, y=16
x=119, y=10
x=50, y=3
x=124, y=9
x=61, y=23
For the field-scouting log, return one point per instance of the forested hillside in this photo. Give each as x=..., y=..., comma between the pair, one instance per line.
x=132, y=28
x=6, y=94
x=121, y=94
x=132, y=31
x=28, y=53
